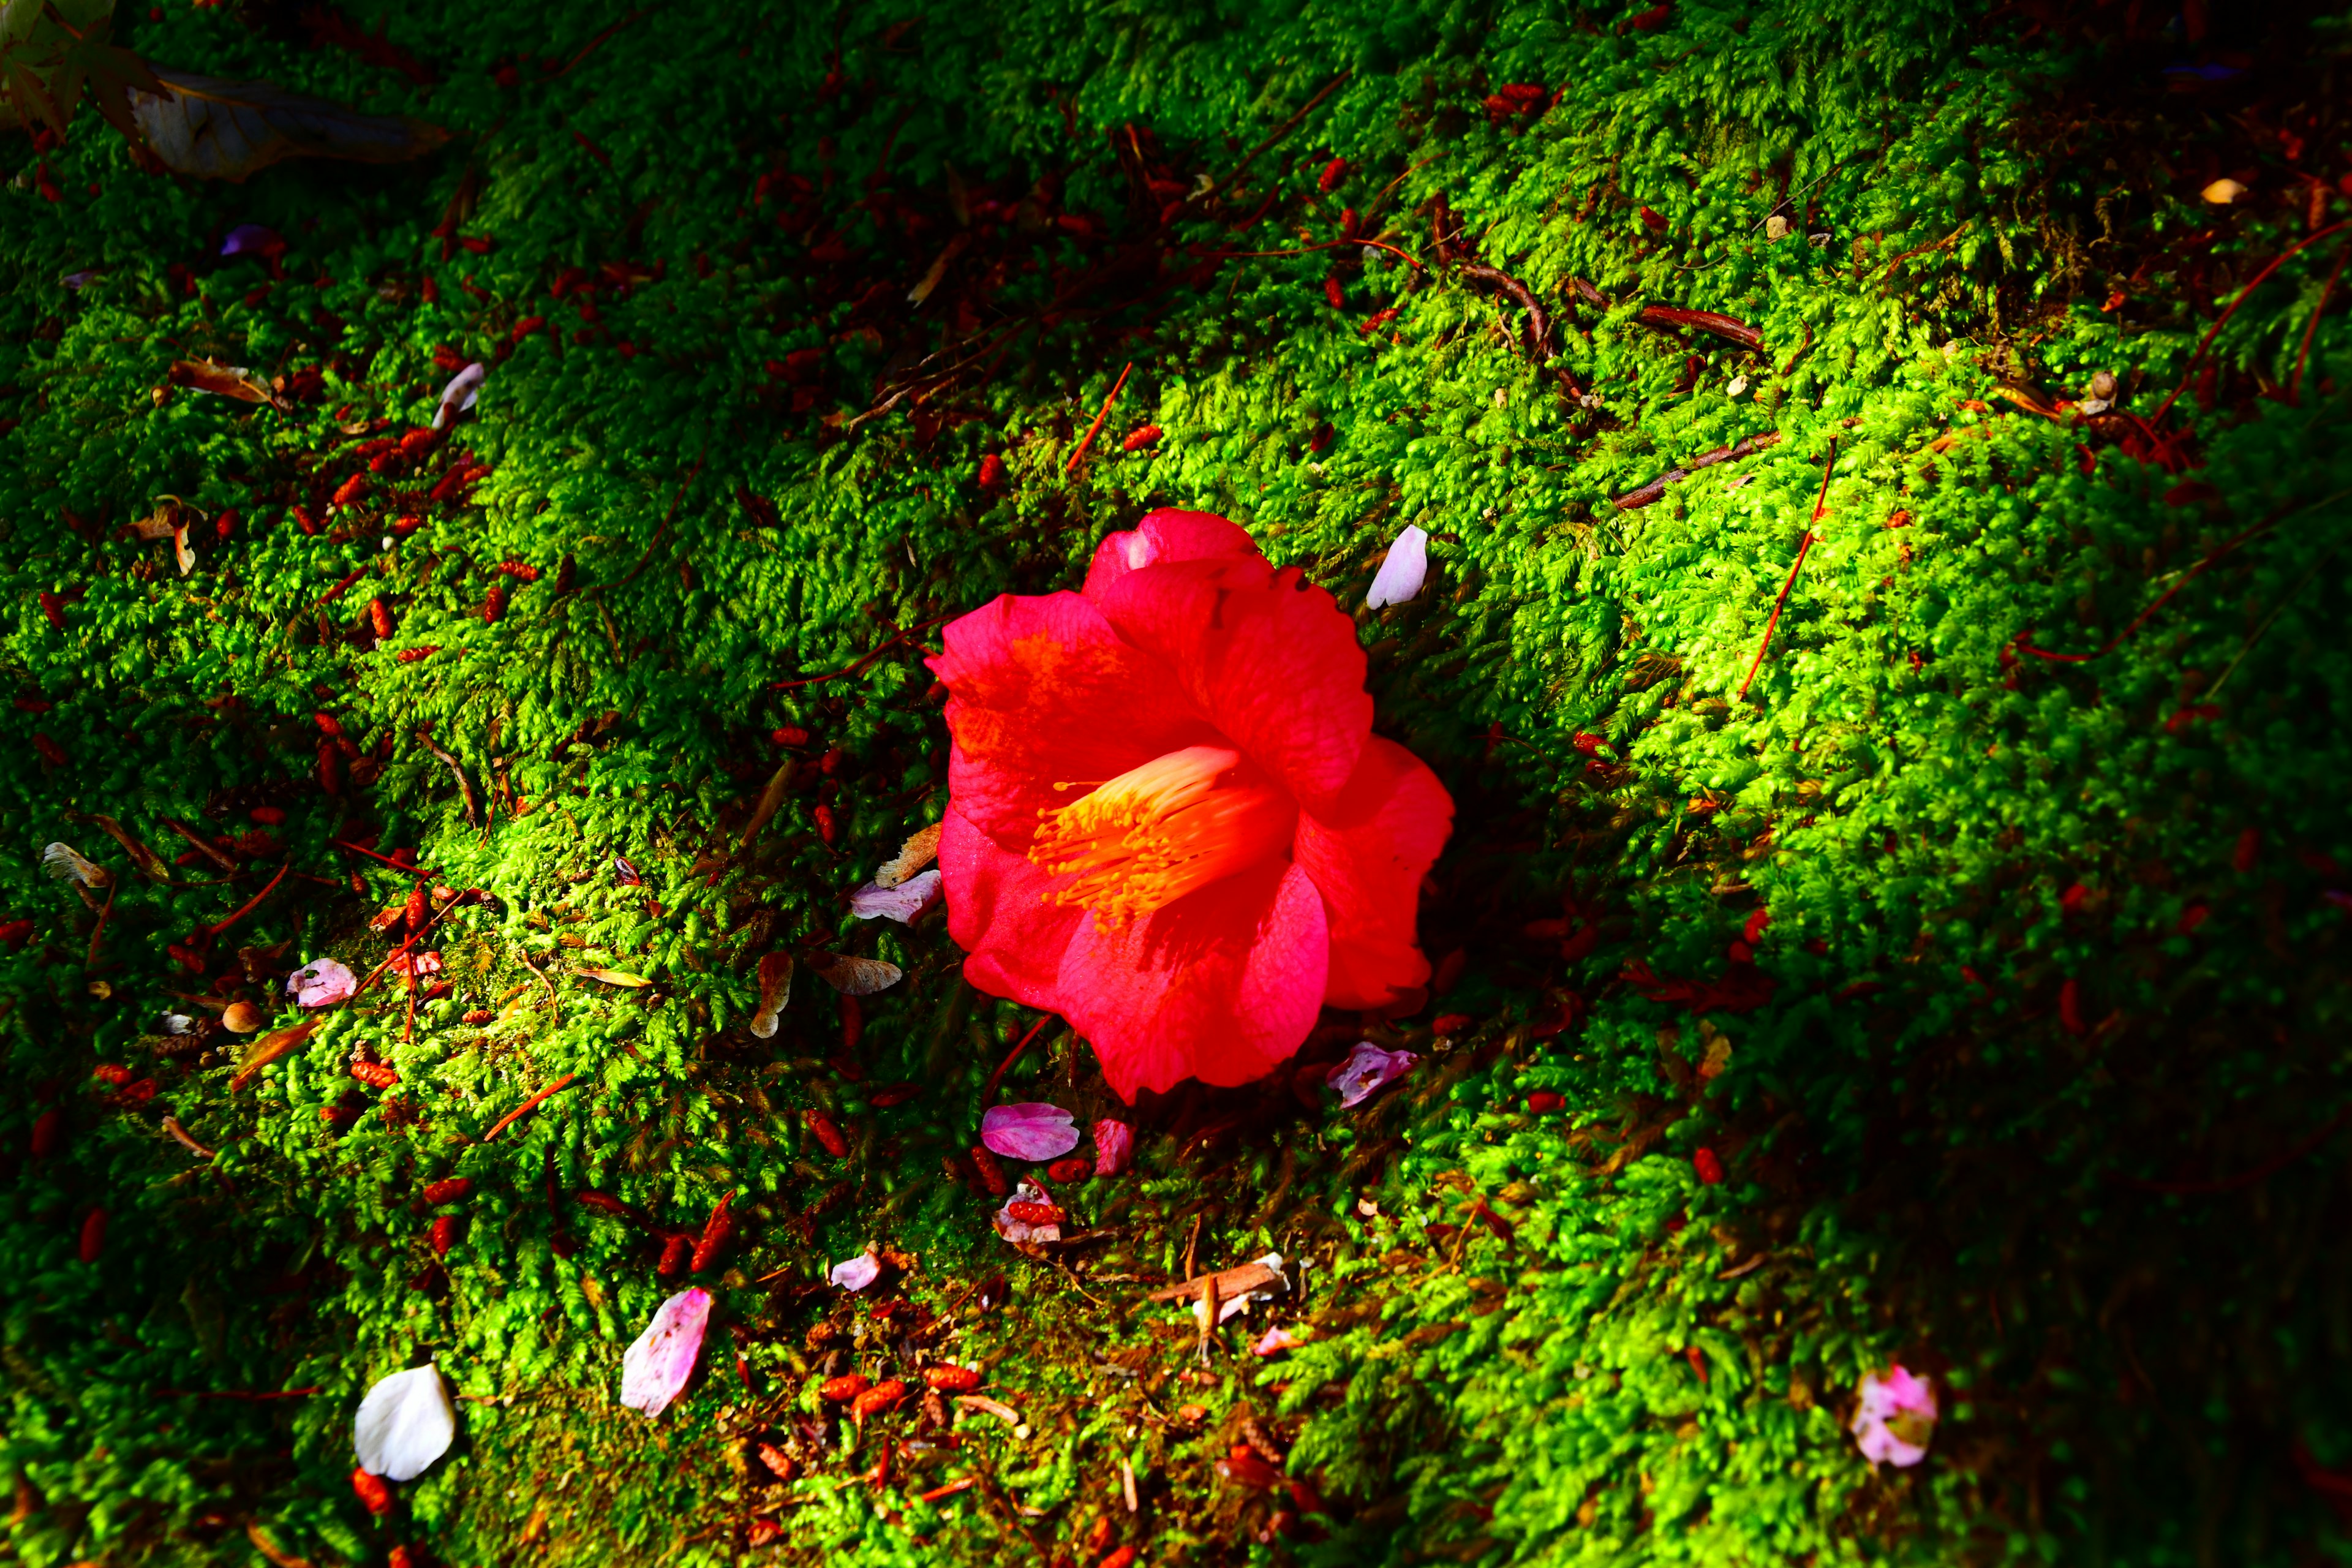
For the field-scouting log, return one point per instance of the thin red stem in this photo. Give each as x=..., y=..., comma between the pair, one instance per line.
x=1100, y=415
x=251, y=903
x=528, y=1106
x=2294, y=384
x=1820, y=505
x=2207, y=341
x=1004, y=1066
x=395, y=865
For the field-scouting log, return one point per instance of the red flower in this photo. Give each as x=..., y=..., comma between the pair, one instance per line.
x=1168, y=820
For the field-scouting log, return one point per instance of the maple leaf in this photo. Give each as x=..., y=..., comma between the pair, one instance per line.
x=228, y=130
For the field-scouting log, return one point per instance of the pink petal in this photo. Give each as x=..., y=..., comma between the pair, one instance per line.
x=321, y=982
x=1366, y=1069
x=1274, y=1341
x=458, y=395
x=901, y=903
x=1114, y=1145
x=655, y=1368
x=858, y=1272
x=1401, y=575
x=1030, y=1131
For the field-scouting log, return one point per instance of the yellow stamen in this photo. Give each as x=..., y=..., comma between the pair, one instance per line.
x=1157, y=832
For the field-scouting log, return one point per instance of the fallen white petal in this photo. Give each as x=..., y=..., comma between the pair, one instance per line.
x=404, y=1424
x=901, y=903
x=1402, y=573
x=856, y=1273
x=655, y=1368
x=458, y=395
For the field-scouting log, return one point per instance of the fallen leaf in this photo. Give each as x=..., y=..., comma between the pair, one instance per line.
x=775, y=991
x=770, y=799
x=269, y=1048
x=229, y=130
x=68, y=864
x=1366, y=1068
x=921, y=849
x=854, y=976
x=1232, y=1284
x=616, y=977
x=222, y=380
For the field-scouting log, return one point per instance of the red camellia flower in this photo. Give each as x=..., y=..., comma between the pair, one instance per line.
x=1168, y=820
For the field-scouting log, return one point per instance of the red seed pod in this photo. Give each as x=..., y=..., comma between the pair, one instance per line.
x=330, y=768
x=526, y=326
x=790, y=735
x=1333, y=172
x=1123, y=1557
x=1752, y=931
x=991, y=477
x=843, y=1389
x=1333, y=293
x=1036, y=1214
x=418, y=912
x=2249, y=850
x=950, y=1379
x=55, y=755
x=853, y=1028
x=399, y=1556
x=374, y=1495
x=1076, y=1168
x=603, y=1202
x=375, y=1075
x=827, y=1131
x=17, y=932
x=417, y=440
x=1710, y=1166
x=448, y=1190
x=329, y=726
x=1245, y=1465
x=1309, y=1499
x=477, y=1016
x=48, y=1132
x=992, y=1173
x=54, y=609
x=447, y=360
x=268, y=815
x=111, y=1073
x=717, y=1231
x=828, y=827
x=780, y=1464
x=494, y=606
x=1544, y=1101
x=2070, y=1008
x=830, y=764
x=305, y=521
x=521, y=571
x=350, y=490
x=881, y=1398
x=93, y=1235
x=1377, y=320
x=380, y=617
x=565, y=571
x=675, y=1251
x=138, y=1093
x=1140, y=437
x=410, y=655
x=445, y=1229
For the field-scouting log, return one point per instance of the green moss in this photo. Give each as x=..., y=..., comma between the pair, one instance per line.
x=2057, y=1148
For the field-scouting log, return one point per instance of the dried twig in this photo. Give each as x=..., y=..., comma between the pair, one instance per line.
x=1102, y=413
x=1539, y=329
x=1284, y=129
x=465, y=789
x=528, y=1106
x=250, y=904
x=2251, y=284
x=1828, y=465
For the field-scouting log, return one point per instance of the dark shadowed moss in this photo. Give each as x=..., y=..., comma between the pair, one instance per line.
x=2008, y=990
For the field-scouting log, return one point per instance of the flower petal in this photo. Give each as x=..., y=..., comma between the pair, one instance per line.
x=856, y=1273
x=656, y=1366
x=1366, y=1068
x=1166, y=535
x=458, y=395
x=997, y=912
x=1042, y=691
x=901, y=903
x=1031, y=1130
x=404, y=1424
x=1367, y=855
x=1114, y=1146
x=1221, y=984
x=1272, y=663
x=1403, y=570
x=321, y=983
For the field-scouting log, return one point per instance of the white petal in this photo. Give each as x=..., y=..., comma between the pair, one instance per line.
x=1402, y=573
x=458, y=395
x=901, y=903
x=404, y=1424
x=858, y=1272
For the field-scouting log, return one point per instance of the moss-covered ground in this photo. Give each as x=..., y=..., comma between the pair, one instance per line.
x=2028, y=1070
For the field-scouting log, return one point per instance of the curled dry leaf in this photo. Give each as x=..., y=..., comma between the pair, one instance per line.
x=920, y=850
x=616, y=977
x=149, y=864
x=68, y=864
x=775, y=990
x=770, y=799
x=269, y=1048
x=1403, y=570
x=1031, y=1130
x=902, y=904
x=222, y=380
x=404, y=1424
x=657, y=1365
x=227, y=130
x=854, y=976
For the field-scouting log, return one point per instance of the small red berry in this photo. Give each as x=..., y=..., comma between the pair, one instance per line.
x=1710, y=1166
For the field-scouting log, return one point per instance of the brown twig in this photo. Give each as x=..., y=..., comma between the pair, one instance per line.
x=1656, y=489
x=2251, y=283
x=555, y=1007
x=1539, y=329
x=464, y=788
x=250, y=904
x=1100, y=415
x=654, y=543
x=179, y=1136
x=1284, y=129
x=1411, y=260
x=866, y=659
x=98, y=931
x=219, y=858
x=528, y=1106
x=1828, y=465
x=996, y=1077
x=597, y=42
